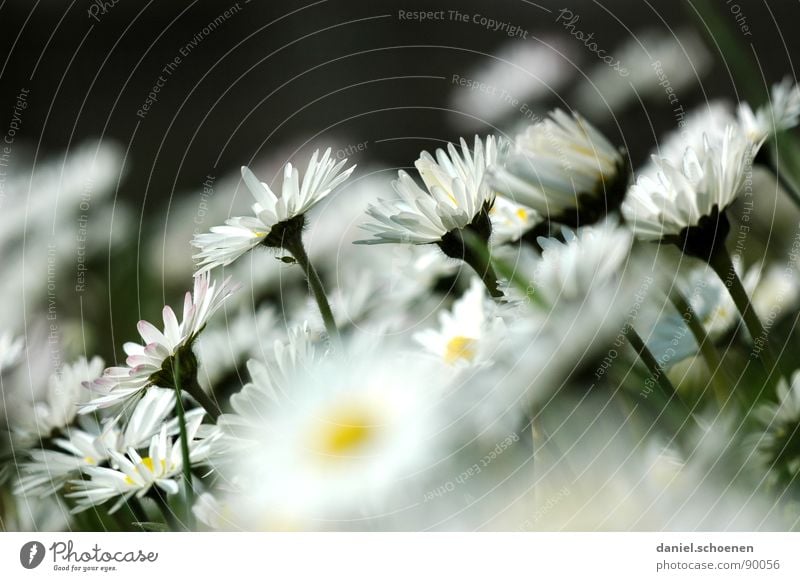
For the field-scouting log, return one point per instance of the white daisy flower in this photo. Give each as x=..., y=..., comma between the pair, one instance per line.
x=151, y=363
x=510, y=220
x=468, y=334
x=10, y=351
x=275, y=214
x=563, y=168
x=332, y=441
x=457, y=198
x=136, y=475
x=677, y=198
x=49, y=469
x=588, y=260
x=781, y=423
x=58, y=405
x=781, y=113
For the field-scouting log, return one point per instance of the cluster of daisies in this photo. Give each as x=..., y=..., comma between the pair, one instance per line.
x=360, y=410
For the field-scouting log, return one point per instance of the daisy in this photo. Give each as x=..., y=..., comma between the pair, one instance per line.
x=456, y=205
x=564, y=169
x=333, y=439
x=510, y=220
x=10, y=351
x=587, y=261
x=781, y=113
x=778, y=444
x=682, y=202
x=687, y=206
x=152, y=363
x=278, y=219
x=49, y=469
x=58, y=406
x=466, y=335
x=137, y=475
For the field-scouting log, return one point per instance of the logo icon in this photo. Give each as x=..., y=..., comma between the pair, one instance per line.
x=31, y=554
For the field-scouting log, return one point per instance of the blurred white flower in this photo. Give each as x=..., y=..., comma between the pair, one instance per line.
x=560, y=166
x=57, y=406
x=511, y=81
x=777, y=442
x=10, y=351
x=587, y=261
x=603, y=472
x=660, y=65
x=511, y=220
x=782, y=112
x=330, y=441
x=457, y=197
x=151, y=363
x=467, y=335
x=273, y=212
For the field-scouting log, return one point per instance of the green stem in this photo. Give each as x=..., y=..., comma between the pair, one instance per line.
x=137, y=509
x=483, y=268
x=657, y=372
x=720, y=261
x=207, y=403
x=298, y=251
x=707, y=348
x=475, y=253
x=187, y=463
x=170, y=518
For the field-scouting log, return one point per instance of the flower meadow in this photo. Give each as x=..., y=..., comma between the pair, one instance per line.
x=520, y=329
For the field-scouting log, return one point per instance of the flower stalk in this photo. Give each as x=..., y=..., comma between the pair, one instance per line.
x=720, y=261
x=704, y=342
x=187, y=463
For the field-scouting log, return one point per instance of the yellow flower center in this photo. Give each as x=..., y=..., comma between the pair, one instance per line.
x=460, y=347
x=522, y=214
x=147, y=462
x=344, y=431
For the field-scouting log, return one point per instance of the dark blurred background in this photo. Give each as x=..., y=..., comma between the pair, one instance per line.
x=273, y=71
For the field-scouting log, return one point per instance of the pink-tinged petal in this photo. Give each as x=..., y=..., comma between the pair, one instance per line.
x=150, y=334
x=171, y=329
